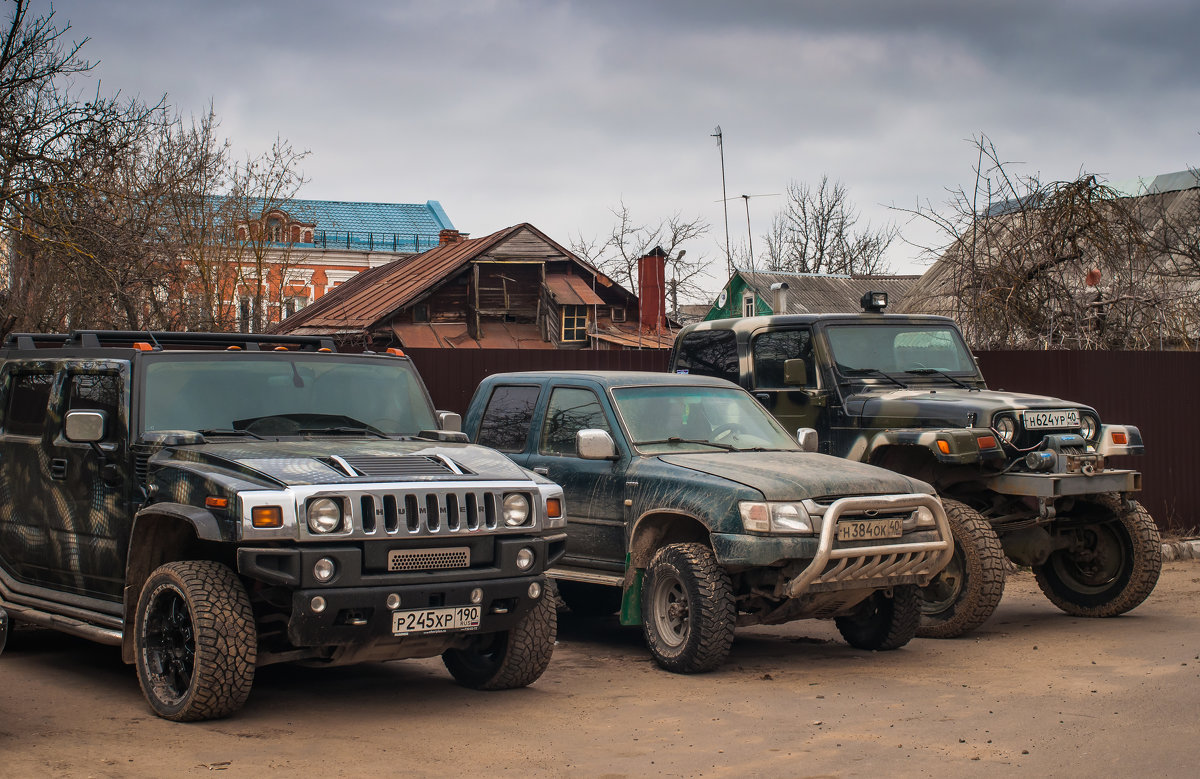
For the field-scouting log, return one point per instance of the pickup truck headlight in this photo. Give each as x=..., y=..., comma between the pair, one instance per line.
x=324, y=515
x=775, y=517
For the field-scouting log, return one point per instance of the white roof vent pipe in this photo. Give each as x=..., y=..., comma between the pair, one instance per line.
x=779, y=292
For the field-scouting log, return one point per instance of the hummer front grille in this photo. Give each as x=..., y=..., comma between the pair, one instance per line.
x=429, y=559
x=429, y=513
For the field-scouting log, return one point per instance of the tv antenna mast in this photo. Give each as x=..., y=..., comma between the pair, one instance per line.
x=749, y=232
x=724, y=200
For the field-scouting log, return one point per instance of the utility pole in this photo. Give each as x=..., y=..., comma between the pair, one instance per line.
x=724, y=202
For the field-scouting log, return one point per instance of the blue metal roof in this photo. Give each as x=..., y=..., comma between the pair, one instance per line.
x=372, y=226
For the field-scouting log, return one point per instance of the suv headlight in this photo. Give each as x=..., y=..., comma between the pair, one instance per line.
x=1089, y=426
x=1005, y=427
x=774, y=517
x=516, y=509
x=324, y=515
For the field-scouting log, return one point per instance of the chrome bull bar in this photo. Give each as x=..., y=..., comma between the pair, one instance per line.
x=878, y=561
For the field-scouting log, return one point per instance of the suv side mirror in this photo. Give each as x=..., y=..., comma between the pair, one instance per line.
x=85, y=427
x=595, y=445
x=807, y=438
x=449, y=421
x=795, y=373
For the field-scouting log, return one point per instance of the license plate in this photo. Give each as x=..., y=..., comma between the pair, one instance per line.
x=1053, y=419
x=868, y=529
x=435, y=620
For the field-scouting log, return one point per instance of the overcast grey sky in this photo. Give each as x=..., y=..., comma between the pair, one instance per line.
x=553, y=111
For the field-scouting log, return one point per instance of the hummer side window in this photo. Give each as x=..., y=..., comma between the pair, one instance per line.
x=570, y=411
x=770, y=350
x=709, y=353
x=27, y=403
x=97, y=392
x=507, y=418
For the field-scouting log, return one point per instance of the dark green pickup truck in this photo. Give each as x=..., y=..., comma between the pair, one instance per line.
x=693, y=511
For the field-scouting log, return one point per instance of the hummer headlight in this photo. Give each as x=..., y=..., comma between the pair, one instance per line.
x=324, y=515
x=1005, y=427
x=516, y=509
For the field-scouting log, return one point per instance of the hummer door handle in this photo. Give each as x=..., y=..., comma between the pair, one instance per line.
x=58, y=469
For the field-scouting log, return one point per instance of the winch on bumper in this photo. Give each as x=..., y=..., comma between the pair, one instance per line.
x=844, y=565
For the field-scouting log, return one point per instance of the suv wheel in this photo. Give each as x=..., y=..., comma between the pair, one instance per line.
x=881, y=622
x=509, y=658
x=687, y=609
x=1111, y=565
x=196, y=644
x=964, y=595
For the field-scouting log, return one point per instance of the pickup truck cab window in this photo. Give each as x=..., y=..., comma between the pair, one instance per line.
x=570, y=410
x=506, y=421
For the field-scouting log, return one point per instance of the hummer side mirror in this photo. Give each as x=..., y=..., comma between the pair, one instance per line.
x=85, y=427
x=595, y=445
x=449, y=421
x=807, y=438
x=795, y=373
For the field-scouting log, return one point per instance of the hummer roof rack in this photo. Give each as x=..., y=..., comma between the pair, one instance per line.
x=95, y=339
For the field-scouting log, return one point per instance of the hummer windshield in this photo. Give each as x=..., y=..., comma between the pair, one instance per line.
x=901, y=348
x=672, y=418
x=284, y=394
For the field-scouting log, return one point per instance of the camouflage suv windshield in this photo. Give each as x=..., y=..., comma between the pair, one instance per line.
x=284, y=394
x=898, y=348
x=674, y=419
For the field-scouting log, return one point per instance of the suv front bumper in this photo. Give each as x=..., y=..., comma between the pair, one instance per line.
x=1053, y=485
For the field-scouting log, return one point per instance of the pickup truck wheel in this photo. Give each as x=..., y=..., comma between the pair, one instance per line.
x=964, y=595
x=881, y=622
x=687, y=609
x=509, y=658
x=589, y=600
x=196, y=644
x=1112, y=564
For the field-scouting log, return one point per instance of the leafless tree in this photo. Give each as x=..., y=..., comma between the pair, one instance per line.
x=818, y=232
x=617, y=254
x=1064, y=264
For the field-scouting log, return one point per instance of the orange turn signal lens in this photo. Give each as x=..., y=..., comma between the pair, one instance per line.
x=943, y=446
x=395, y=352
x=986, y=441
x=554, y=508
x=142, y=346
x=1119, y=437
x=213, y=502
x=266, y=517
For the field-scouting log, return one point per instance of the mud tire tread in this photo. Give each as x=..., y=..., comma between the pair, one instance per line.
x=225, y=637
x=710, y=603
x=890, y=624
x=984, y=568
x=1146, y=552
x=521, y=654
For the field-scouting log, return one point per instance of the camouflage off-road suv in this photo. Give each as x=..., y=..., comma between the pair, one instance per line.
x=1022, y=475
x=211, y=506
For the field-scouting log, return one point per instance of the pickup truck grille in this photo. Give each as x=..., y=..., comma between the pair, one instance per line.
x=419, y=513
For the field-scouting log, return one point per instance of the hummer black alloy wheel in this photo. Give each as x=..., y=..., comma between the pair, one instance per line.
x=196, y=642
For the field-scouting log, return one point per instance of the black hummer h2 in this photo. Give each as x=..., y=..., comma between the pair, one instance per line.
x=211, y=506
x=1022, y=475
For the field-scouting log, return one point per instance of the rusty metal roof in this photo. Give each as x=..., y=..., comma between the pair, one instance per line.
x=453, y=335
x=567, y=289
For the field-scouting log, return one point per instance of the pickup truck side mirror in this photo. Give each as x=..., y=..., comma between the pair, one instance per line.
x=795, y=373
x=449, y=421
x=807, y=438
x=84, y=427
x=595, y=445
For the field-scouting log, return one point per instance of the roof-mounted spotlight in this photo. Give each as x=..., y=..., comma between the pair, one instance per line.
x=874, y=302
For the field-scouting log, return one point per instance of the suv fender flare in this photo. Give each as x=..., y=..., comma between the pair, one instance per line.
x=949, y=446
x=161, y=533
x=657, y=527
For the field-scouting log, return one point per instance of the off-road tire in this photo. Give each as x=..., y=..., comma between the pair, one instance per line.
x=1117, y=582
x=882, y=622
x=195, y=641
x=964, y=595
x=688, y=612
x=509, y=658
x=590, y=600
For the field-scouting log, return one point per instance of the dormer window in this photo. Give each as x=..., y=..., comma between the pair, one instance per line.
x=274, y=231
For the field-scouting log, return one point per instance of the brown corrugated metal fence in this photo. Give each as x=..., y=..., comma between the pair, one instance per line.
x=1153, y=390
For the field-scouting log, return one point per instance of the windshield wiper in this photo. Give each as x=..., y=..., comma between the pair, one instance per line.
x=228, y=431
x=678, y=440
x=874, y=372
x=342, y=430
x=943, y=374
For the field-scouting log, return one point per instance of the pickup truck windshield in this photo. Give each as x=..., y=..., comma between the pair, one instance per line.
x=679, y=418
x=284, y=394
x=898, y=348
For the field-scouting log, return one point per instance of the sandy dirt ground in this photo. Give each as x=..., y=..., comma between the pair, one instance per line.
x=1033, y=691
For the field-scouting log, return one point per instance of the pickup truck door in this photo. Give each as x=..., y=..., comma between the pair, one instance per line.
x=594, y=489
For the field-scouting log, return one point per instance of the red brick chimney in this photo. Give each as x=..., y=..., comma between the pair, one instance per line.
x=652, y=290
x=451, y=236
